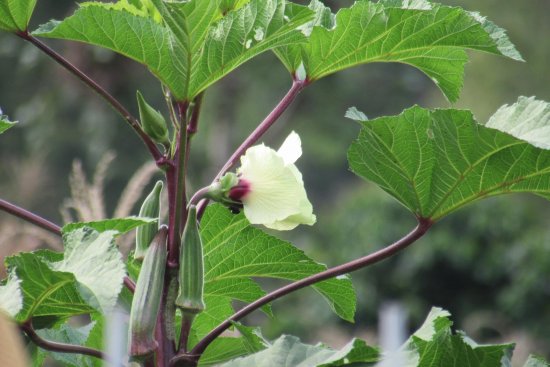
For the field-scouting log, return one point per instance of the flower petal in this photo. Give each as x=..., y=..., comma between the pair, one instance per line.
x=291, y=149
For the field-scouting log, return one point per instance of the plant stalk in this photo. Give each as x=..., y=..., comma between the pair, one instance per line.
x=415, y=234
x=131, y=120
x=30, y=217
x=28, y=329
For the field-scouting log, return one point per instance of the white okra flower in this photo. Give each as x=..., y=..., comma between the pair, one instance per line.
x=271, y=188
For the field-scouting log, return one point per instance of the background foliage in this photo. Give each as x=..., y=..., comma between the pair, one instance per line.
x=488, y=264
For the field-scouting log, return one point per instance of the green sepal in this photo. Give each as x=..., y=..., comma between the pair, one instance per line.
x=147, y=296
x=152, y=121
x=191, y=276
x=149, y=209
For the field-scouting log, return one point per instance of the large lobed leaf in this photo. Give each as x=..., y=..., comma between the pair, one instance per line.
x=435, y=162
x=15, y=14
x=236, y=252
x=434, y=344
x=289, y=351
x=428, y=36
x=194, y=46
x=87, y=278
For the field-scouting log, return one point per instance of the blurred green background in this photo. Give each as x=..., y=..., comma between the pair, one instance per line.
x=489, y=264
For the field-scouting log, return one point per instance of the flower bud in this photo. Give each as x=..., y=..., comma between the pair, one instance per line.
x=152, y=122
x=147, y=296
x=150, y=209
x=191, y=272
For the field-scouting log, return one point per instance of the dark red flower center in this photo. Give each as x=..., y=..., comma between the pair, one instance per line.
x=240, y=190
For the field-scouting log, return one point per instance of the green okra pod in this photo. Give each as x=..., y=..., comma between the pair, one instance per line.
x=191, y=273
x=145, y=233
x=147, y=296
x=152, y=122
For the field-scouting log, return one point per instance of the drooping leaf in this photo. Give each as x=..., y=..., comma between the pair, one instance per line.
x=434, y=344
x=289, y=351
x=435, y=162
x=194, y=47
x=428, y=36
x=118, y=225
x=235, y=252
x=15, y=14
x=11, y=299
x=5, y=123
x=97, y=264
x=45, y=292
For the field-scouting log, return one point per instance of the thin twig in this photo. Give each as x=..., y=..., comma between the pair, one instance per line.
x=290, y=96
x=58, y=347
x=132, y=121
x=419, y=231
x=30, y=217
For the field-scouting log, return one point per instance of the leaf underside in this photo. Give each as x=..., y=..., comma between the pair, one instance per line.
x=435, y=162
x=428, y=36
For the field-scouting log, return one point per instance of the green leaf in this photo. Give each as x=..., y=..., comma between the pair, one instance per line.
x=536, y=361
x=434, y=344
x=289, y=351
x=5, y=123
x=118, y=225
x=11, y=299
x=97, y=264
x=137, y=37
x=430, y=37
x=435, y=162
x=194, y=47
x=235, y=252
x=45, y=292
x=15, y=14
x=226, y=348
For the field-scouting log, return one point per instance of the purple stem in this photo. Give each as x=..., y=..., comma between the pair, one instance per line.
x=58, y=347
x=415, y=234
x=30, y=217
x=132, y=121
x=295, y=89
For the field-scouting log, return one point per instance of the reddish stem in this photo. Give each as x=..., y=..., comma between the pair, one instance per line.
x=30, y=217
x=132, y=121
x=58, y=347
x=419, y=231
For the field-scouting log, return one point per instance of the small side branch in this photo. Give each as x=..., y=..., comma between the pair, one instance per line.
x=58, y=347
x=30, y=217
x=419, y=231
x=131, y=120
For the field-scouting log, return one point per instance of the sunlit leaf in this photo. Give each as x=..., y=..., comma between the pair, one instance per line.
x=5, y=123
x=435, y=162
x=11, y=299
x=428, y=36
x=195, y=46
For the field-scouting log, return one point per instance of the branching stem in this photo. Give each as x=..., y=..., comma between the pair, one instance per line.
x=415, y=234
x=132, y=121
x=58, y=347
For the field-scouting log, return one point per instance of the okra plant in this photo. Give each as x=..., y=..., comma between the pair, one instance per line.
x=179, y=284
